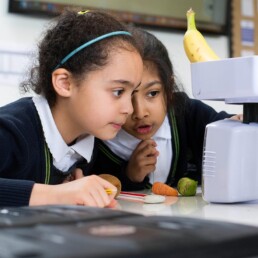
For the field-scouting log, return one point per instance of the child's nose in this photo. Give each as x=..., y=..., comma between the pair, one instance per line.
x=128, y=107
x=139, y=111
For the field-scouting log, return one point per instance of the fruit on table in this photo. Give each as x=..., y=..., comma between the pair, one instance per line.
x=195, y=45
x=187, y=186
x=114, y=181
x=163, y=189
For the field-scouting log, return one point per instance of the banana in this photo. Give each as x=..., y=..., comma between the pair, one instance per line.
x=195, y=45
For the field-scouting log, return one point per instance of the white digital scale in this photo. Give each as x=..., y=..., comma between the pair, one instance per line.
x=230, y=151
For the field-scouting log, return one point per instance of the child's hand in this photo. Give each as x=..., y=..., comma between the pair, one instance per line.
x=76, y=174
x=143, y=161
x=238, y=117
x=87, y=191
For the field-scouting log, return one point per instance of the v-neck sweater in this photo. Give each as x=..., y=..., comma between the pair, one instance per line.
x=24, y=155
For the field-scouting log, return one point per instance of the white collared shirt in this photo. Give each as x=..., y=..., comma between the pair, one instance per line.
x=124, y=144
x=64, y=156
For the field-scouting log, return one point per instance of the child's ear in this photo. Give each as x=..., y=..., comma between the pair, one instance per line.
x=61, y=80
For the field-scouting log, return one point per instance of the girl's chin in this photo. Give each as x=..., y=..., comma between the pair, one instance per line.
x=107, y=137
x=143, y=136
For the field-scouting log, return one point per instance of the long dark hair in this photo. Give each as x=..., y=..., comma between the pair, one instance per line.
x=154, y=51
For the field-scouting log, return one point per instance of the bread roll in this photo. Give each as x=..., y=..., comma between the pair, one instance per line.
x=114, y=181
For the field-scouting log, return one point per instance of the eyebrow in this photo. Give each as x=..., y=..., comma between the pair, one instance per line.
x=150, y=84
x=126, y=83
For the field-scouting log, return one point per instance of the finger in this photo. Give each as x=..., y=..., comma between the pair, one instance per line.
x=153, y=143
x=143, y=144
x=149, y=150
x=100, y=190
x=149, y=160
x=112, y=204
x=150, y=142
x=91, y=193
x=238, y=117
x=100, y=202
x=69, y=178
x=78, y=173
x=151, y=168
x=92, y=196
x=88, y=200
x=102, y=186
x=98, y=196
x=153, y=153
x=106, y=185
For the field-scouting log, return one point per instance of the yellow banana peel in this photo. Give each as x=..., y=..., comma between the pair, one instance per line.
x=195, y=45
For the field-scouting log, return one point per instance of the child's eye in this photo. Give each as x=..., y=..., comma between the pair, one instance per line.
x=153, y=93
x=118, y=92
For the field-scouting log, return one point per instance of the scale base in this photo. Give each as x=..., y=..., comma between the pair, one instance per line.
x=230, y=162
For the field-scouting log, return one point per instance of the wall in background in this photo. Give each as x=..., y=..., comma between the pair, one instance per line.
x=17, y=30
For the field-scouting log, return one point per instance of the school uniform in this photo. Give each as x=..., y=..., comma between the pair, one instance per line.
x=183, y=128
x=33, y=151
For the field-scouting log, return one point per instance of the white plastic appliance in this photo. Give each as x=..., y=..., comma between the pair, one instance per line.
x=230, y=151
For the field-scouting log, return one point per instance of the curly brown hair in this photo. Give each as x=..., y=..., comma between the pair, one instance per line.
x=67, y=33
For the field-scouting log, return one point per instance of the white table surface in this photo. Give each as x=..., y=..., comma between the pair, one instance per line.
x=196, y=207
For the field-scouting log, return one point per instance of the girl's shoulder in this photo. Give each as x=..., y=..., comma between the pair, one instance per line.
x=18, y=106
x=183, y=104
x=188, y=109
x=21, y=113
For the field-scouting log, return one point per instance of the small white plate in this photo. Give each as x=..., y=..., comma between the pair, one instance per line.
x=154, y=198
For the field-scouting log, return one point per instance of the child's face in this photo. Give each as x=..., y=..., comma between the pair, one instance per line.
x=149, y=105
x=102, y=102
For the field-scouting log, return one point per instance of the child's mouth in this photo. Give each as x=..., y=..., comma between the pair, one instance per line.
x=144, y=129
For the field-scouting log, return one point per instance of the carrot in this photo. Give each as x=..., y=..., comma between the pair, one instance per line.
x=163, y=189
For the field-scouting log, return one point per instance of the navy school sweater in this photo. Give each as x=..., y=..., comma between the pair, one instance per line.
x=24, y=156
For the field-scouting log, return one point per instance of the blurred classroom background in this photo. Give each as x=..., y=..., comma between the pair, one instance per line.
x=20, y=34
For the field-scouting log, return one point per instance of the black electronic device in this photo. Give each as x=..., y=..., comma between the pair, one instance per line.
x=71, y=231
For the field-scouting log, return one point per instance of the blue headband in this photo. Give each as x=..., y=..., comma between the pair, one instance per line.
x=110, y=34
